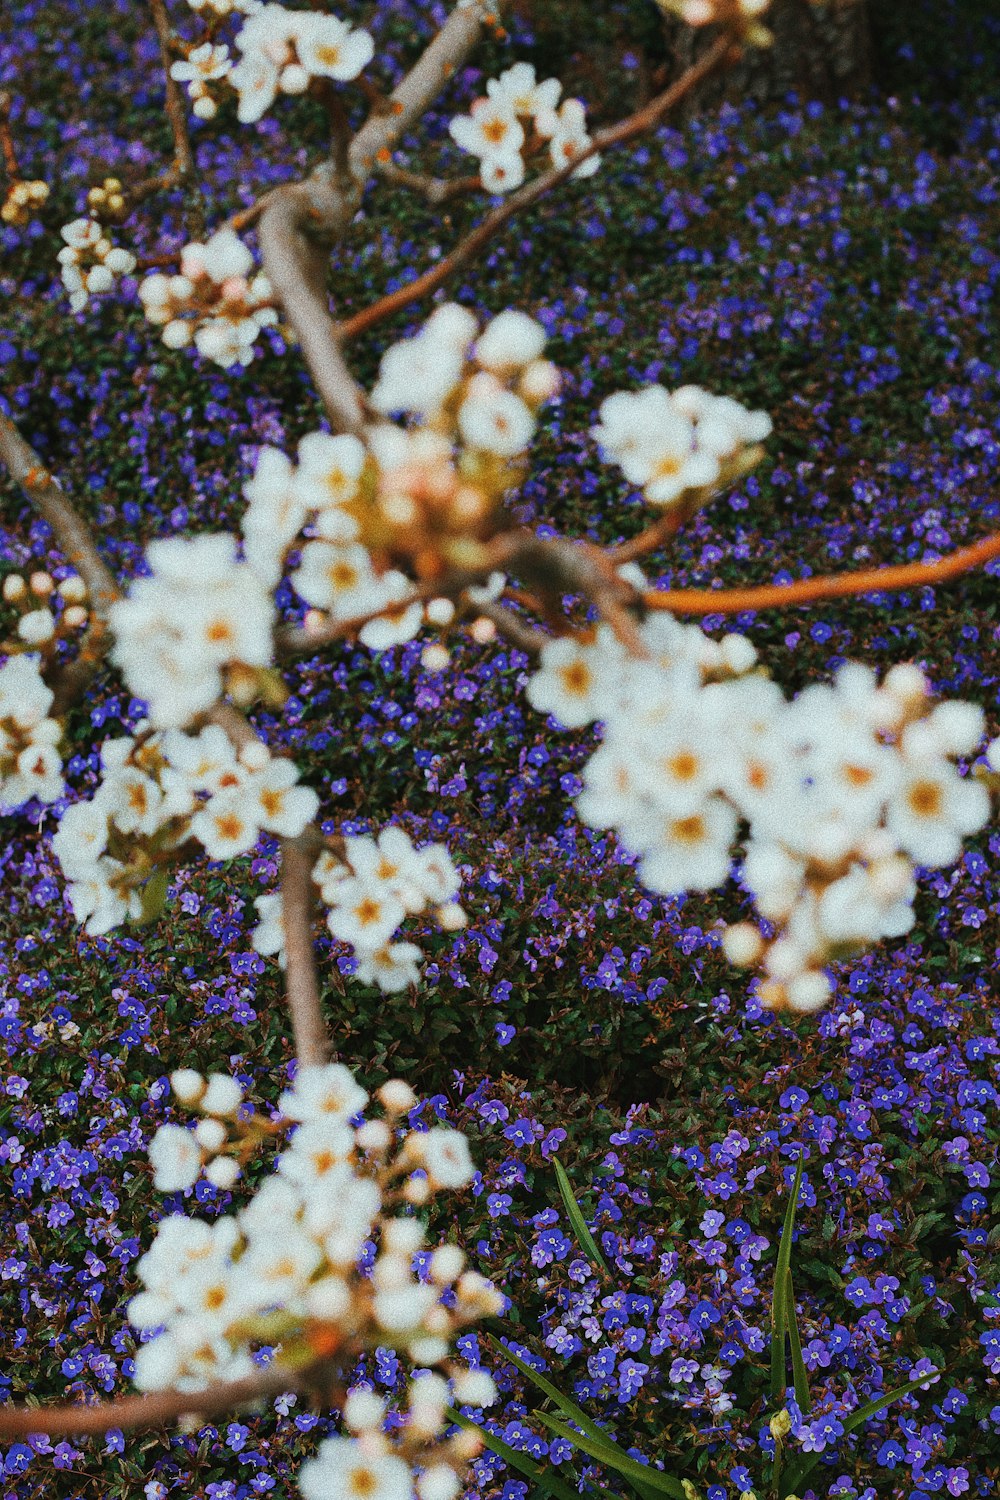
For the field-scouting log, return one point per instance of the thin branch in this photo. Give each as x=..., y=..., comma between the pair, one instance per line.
x=832, y=586
x=312, y=1043
x=10, y=161
x=71, y=533
x=436, y=190
x=466, y=249
x=297, y=231
x=184, y=167
x=654, y=536
x=416, y=93
x=154, y=1409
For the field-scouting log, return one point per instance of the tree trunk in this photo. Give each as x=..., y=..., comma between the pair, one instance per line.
x=820, y=51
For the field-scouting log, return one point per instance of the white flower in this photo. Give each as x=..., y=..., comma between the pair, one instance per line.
x=568, y=138
x=489, y=129
x=345, y=1470
x=224, y=827
x=573, y=683
x=275, y=516
x=328, y=473
x=328, y=48
x=328, y=1092
x=336, y=578
x=687, y=853
x=417, y=375
x=444, y=1156
x=256, y=80
x=392, y=968
x=223, y=1096
x=517, y=91
x=393, y=626
x=366, y=915
x=175, y=1157
x=268, y=936
x=934, y=809
x=494, y=419
x=276, y=802
x=510, y=341
x=501, y=172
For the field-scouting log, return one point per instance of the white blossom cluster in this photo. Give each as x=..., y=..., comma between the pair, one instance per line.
x=670, y=442
x=204, y=64
x=404, y=491
x=213, y=301
x=283, y=50
x=179, y=1156
x=158, y=791
x=320, y=1266
x=36, y=599
x=23, y=201
x=90, y=262
x=30, y=764
x=223, y=8
x=202, y=611
x=373, y=889
x=516, y=116
x=844, y=790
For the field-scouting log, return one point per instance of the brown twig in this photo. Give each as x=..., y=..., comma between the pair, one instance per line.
x=154, y=1409
x=477, y=239
x=72, y=534
x=312, y=1043
x=182, y=171
x=831, y=586
x=10, y=161
x=436, y=190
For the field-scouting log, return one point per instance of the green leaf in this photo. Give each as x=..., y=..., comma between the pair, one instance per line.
x=643, y=1476
x=779, y=1315
x=154, y=898
x=519, y=1461
x=566, y=1404
x=793, y=1481
x=799, y=1375
x=583, y=1234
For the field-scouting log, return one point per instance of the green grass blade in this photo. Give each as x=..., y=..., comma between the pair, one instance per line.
x=545, y=1481
x=799, y=1375
x=566, y=1405
x=643, y=1476
x=779, y=1317
x=586, y=1240
x=793, y=1482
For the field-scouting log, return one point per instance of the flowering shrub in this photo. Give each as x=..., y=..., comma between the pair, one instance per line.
x=387, y=532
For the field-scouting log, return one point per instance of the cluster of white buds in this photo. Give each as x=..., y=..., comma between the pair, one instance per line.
x=158, y=791
x=107, y=198
x=671, y=443
x=417, y=495
x=30, y=765
x=42, y=624
x=293, y=1270
x=845, y=789
x=23, y=201
x=203, y=65
x=213, y=301
x=219, y=9
x=475, y=397
x=742, y=14
x=90, y=262
x=371, y=891
x=283, y=50
x=516, y=119
x=202, y=621
x=218, y=1146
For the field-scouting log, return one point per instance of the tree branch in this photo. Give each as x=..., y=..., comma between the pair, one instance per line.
x=71, y=533
x=184, y=166
x=831, y=586
x=312, y=1043
x=153, y=1409
x=466, y=249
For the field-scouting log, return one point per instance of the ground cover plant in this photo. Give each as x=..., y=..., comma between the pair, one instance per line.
x=585, y=1030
